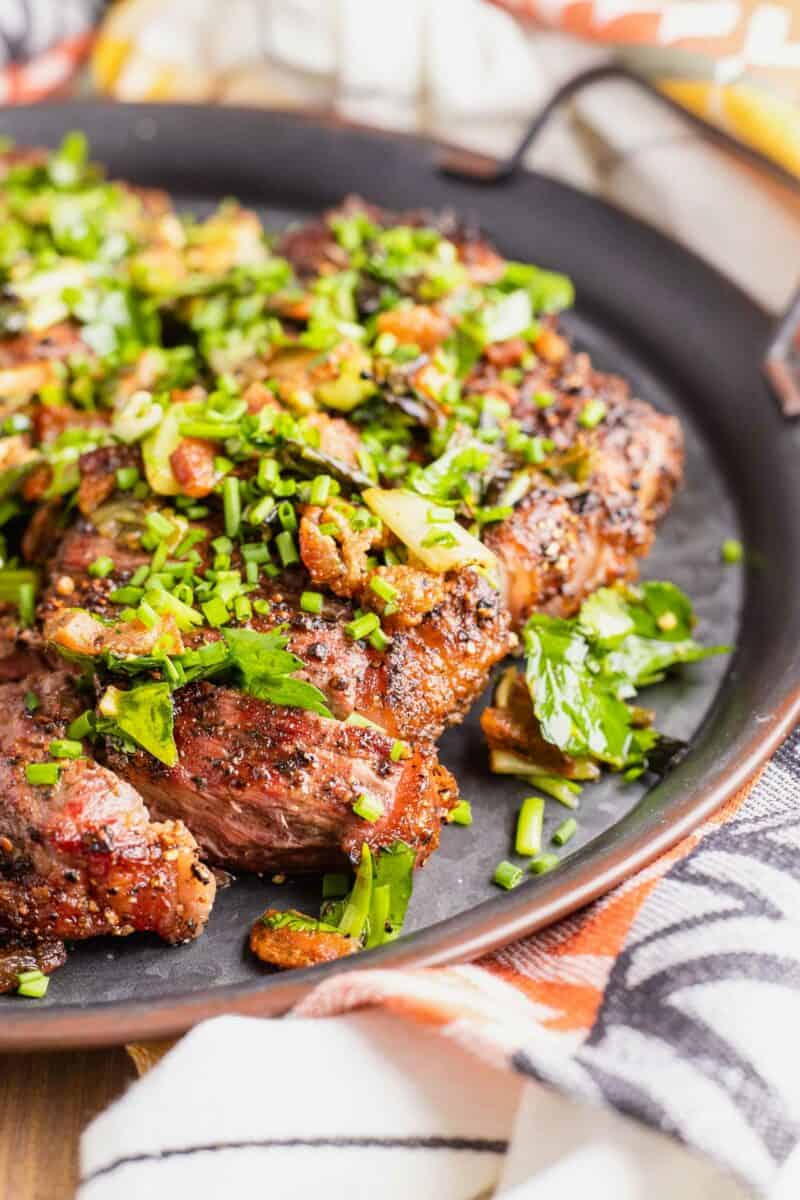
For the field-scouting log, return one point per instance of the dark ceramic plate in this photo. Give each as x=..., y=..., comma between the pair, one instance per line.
x=691, y=343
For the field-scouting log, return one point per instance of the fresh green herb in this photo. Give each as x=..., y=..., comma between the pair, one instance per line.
x=232, y=504
x=127, y=478
x=266, y=668
x=369, y=808
x=581, y=672
x=461, y=814
x=507, y=876
x=592, y=413
x=399, y=750
x=544, y=863
x=65, y=748
x=312, y=602
x=287, y=549
x=44, y=774
x=732, y=551
x=381, y=587
x=362, y=627
x=32, y=984
x=566, y=830
x=529, y=826
x=101, y=567
x=32, y=702
x=144, y=715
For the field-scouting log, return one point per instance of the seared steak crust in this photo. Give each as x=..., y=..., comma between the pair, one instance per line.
x=272, y=789
x=82, y=857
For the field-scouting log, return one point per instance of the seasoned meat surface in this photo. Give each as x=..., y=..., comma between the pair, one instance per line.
x=288, y=948
x=266, y=788
x=202, y=429
x=81, y=857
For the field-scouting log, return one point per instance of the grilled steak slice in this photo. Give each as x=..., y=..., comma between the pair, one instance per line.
x=82, y=857
x=562, y=542
x=427, y=678
x=267, y=788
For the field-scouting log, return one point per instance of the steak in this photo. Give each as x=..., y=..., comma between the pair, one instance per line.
x=82, y=857
x=268, y=788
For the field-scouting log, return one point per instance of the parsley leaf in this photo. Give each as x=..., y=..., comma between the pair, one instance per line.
x=581, y=672
x=266, y=667
x=144, y=715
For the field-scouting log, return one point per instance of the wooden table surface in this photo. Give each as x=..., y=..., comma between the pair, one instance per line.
x=46, y=1100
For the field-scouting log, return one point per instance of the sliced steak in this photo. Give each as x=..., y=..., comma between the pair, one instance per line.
x=81, y=857
x=266, y=788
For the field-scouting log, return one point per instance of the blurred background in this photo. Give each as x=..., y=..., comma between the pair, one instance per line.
x=473, y=72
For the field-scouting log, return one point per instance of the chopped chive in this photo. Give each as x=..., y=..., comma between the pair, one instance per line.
x=592, y=414
x=361, y=722
x=566, y=830
x=381, y=587
x=43, y=774
x=139, y=575
x=82, y=726
x=285, y=487
x=529, y=826
x=65, y=748
x=287, y=516
x=256, y=552
x=147, y=614
x=379, y=641
x=126, y=595
x=251, y=572
x=563, y=790
x=362, y=627
x=440, y=537
x=158, y=524
x=368, y=808
x=329, y=528
x=437, y=513
x=461, y=814
x=32, y=702
x=542, y=399
x=232, y=504
x=195, y=512
x=127, y=477
x=287, y=549
x=26, y=603
x=506, y=875
x=262, y=607
x=242, y=608
x=222, y=545
x=34, y=989
x=399, y=750
x=268, y=472
x=311, y=602
x=335, y=884
x=732, y=551
x=215, y=611
x=27, y=976
x=543, y=863
x=320, y=489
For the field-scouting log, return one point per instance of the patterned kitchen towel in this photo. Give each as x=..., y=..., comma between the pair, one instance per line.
x=42, y=43
x=735, y=63
x=673, y=1000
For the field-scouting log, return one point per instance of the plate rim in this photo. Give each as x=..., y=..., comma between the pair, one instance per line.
x=493, y=923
